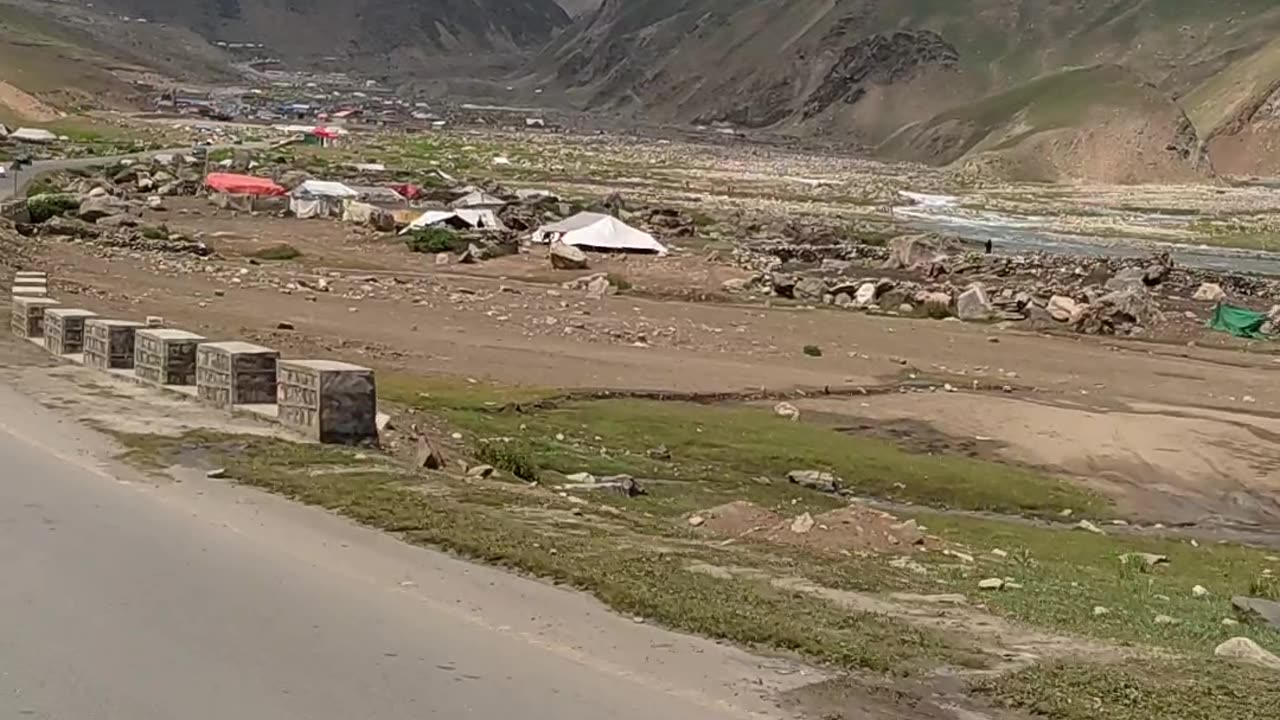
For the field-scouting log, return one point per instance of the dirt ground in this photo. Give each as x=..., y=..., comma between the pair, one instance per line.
x=1176, y=433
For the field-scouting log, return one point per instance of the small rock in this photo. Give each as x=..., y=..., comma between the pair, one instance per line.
x=1230, y=622
x=991, y=584
x=697, y=521
x=1099, y=611
x=1200, y=591
x=815, y=480
x=802, y=524
x=284, y=325
x=480, y=471
x=1000, y=553
x=1257, y=610
x=659, y=453
x=1209, y=292
x=1246, y=650
x=1148, y=559
x=582, y=478
x=1165, y=620
x=787, y=410
x=427, y=456
x=1089, y=527
x=217, y=474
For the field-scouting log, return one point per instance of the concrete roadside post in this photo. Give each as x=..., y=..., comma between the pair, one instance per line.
x=28, y=316
x=109, y=344
x=236, y=373
x=64, y=330
x=328, y=401
x=165, y=357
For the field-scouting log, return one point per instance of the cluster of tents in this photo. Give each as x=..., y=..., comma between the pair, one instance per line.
x=386, y=208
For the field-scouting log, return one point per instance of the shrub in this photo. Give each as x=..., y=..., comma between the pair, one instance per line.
x=435, y=240
x=42, y=207
x=509, y=457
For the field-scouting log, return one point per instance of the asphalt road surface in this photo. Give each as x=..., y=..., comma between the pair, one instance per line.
x=130, y=598
x=19, y=179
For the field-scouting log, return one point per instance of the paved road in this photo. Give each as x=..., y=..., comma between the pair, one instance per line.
x=125, y=598
x=25, y=176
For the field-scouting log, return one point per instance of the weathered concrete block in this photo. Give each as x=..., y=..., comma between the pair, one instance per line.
x=329, y=401
x=165, y=357
x=23, y=274
x=30, y=281
x=29, y=291
x=28, y=315
x=236, y=373
x=108, y=344
x=64, y=329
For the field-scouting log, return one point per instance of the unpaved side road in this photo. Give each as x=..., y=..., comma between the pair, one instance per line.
x=130, y=598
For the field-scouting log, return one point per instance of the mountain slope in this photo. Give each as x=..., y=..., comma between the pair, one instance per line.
x=862, y=69
x=377, y=35
x=1101, y=123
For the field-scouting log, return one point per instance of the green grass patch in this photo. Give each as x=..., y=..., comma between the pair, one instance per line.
x=719, y=451
x=1148, y=690
x=539, y=533
x=1065, y=574
x=283, y=251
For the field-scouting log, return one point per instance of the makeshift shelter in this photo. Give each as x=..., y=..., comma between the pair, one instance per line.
x=1241, y=322
x=479, y=200
x=594, y=231
x=375, y=195
x=457, y=219
x=32, y=135
x=245, y=193
x=408, y=191
x=233, y=184
x=370, y=215
x=319, y=198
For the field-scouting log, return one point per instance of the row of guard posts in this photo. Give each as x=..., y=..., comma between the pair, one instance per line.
x=325, y=400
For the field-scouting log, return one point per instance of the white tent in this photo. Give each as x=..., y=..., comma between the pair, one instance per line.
x=325, y=188
x=599, y=232
x=32, y=135
x=478, y=199
x=477, y=219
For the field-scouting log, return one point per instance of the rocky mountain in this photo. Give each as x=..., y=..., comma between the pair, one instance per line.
x=863, y=70
x=386, y=36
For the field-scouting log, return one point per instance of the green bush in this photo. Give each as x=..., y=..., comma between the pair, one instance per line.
x=509, y=457
x=435, y=240
x=42, y=207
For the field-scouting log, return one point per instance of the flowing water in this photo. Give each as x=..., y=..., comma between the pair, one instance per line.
x=1012, y=234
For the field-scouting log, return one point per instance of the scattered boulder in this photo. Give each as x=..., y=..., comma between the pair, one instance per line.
x=973, y=305
x=1127, y=279
x=802, y=524
x=481, y=471
x=1210, y=292
x=1089, y=527
x=815, y=480
x=787, y=410
x=865, y=296
x=599, y=287
x=935, y=304
x=991, y=584
x=1062, y=308
x=735, y=285
x=1257, y=610
x=1149, y=560
x=912, y=252
x=809, y=290
x=156, y=203
x=1117, y=313
x=96, y=207
x=1248, y=651
x=567, y=257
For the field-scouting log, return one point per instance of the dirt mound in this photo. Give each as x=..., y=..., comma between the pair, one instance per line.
x=739, y=518
x=850, y=529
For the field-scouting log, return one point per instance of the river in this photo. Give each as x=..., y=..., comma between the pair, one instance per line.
x=1022, y=234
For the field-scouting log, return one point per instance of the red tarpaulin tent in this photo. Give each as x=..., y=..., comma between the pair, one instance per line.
x=233, y=184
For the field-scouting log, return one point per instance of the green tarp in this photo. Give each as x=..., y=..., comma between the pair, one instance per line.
x=1241, y=322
